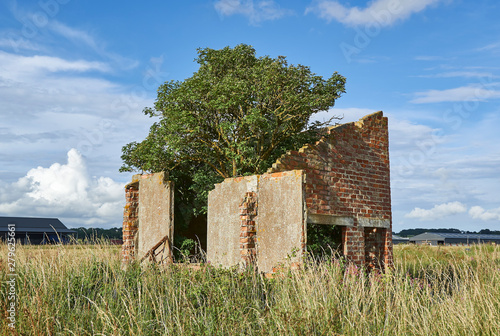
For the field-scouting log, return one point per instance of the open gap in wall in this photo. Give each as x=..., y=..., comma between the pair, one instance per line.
x=190, y=236
x=324, y=240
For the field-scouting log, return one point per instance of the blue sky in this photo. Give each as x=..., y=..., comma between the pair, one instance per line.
x=75, y=76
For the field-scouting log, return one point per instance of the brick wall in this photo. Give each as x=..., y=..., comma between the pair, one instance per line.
x=347, y=174
x=248, y=212
x=130, y=221
x=148, y=202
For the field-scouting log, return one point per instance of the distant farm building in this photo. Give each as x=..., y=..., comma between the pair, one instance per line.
x=400, y=240
x=438, y=238
x=29, y=230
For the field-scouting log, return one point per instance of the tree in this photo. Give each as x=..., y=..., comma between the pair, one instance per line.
x=98, y=233
x=233, y=114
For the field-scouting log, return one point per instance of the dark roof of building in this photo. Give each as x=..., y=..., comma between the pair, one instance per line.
x=34, y=225
x=444, y=235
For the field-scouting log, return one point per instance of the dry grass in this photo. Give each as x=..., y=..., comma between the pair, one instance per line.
x=81, y=290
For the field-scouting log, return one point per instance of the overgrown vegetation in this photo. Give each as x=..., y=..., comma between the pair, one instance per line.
x=323, y=240
x=234, y=116
x=81, y=290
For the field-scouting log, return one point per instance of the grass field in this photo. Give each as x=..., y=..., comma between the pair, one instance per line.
x=82, y=290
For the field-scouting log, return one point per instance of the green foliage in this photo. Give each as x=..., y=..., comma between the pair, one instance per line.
x=187, y=250
x=323, y=240
x=235, y=116
x=232, y=113
x=95, y=234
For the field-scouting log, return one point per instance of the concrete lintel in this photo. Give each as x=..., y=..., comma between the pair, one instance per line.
x=329, y=219
x=374, y=222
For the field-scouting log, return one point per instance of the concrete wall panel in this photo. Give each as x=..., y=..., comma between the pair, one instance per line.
x=156, y=212
x=224, y=223
x=280, y=219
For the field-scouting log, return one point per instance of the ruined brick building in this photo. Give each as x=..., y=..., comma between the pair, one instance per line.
x=342, y=180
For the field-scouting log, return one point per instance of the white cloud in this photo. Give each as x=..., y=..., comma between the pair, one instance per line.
x=474, y=92
x=438, y=211
x=478, y=212
x=81, y=38
x=406, y=134
x=65, y=191
x=41, y=84
x=19, y=68
x=49, y=107
x=381, y=12
x=462, y=74
x=256, y=12
x=16, y=43
x=489, y=47
x=430, y=58
x=74, y=34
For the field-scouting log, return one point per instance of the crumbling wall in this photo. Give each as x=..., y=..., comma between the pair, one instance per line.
x=343, y=179
x=148, y=216
x=257, y=219
x=348, y=183
x=224, y=221
x=130, y=220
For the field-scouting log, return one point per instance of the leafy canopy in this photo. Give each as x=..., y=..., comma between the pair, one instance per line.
x=234, y=116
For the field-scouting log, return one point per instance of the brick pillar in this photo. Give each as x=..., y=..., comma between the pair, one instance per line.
x=130, y=222
x=375, y=247
x=388, y=261
x=248, y=212
x=353, y=242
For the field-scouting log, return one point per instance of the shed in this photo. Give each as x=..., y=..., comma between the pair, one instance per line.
x=31, y=230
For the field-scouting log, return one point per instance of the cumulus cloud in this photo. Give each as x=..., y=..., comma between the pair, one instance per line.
x=255, y=11
x=65, y=191
x=478, y=212
x=381, y=12
x=438, y=211
x=474, y=92
x=55, y=103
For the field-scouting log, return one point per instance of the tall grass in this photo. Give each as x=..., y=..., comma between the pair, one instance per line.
x=82, y=290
